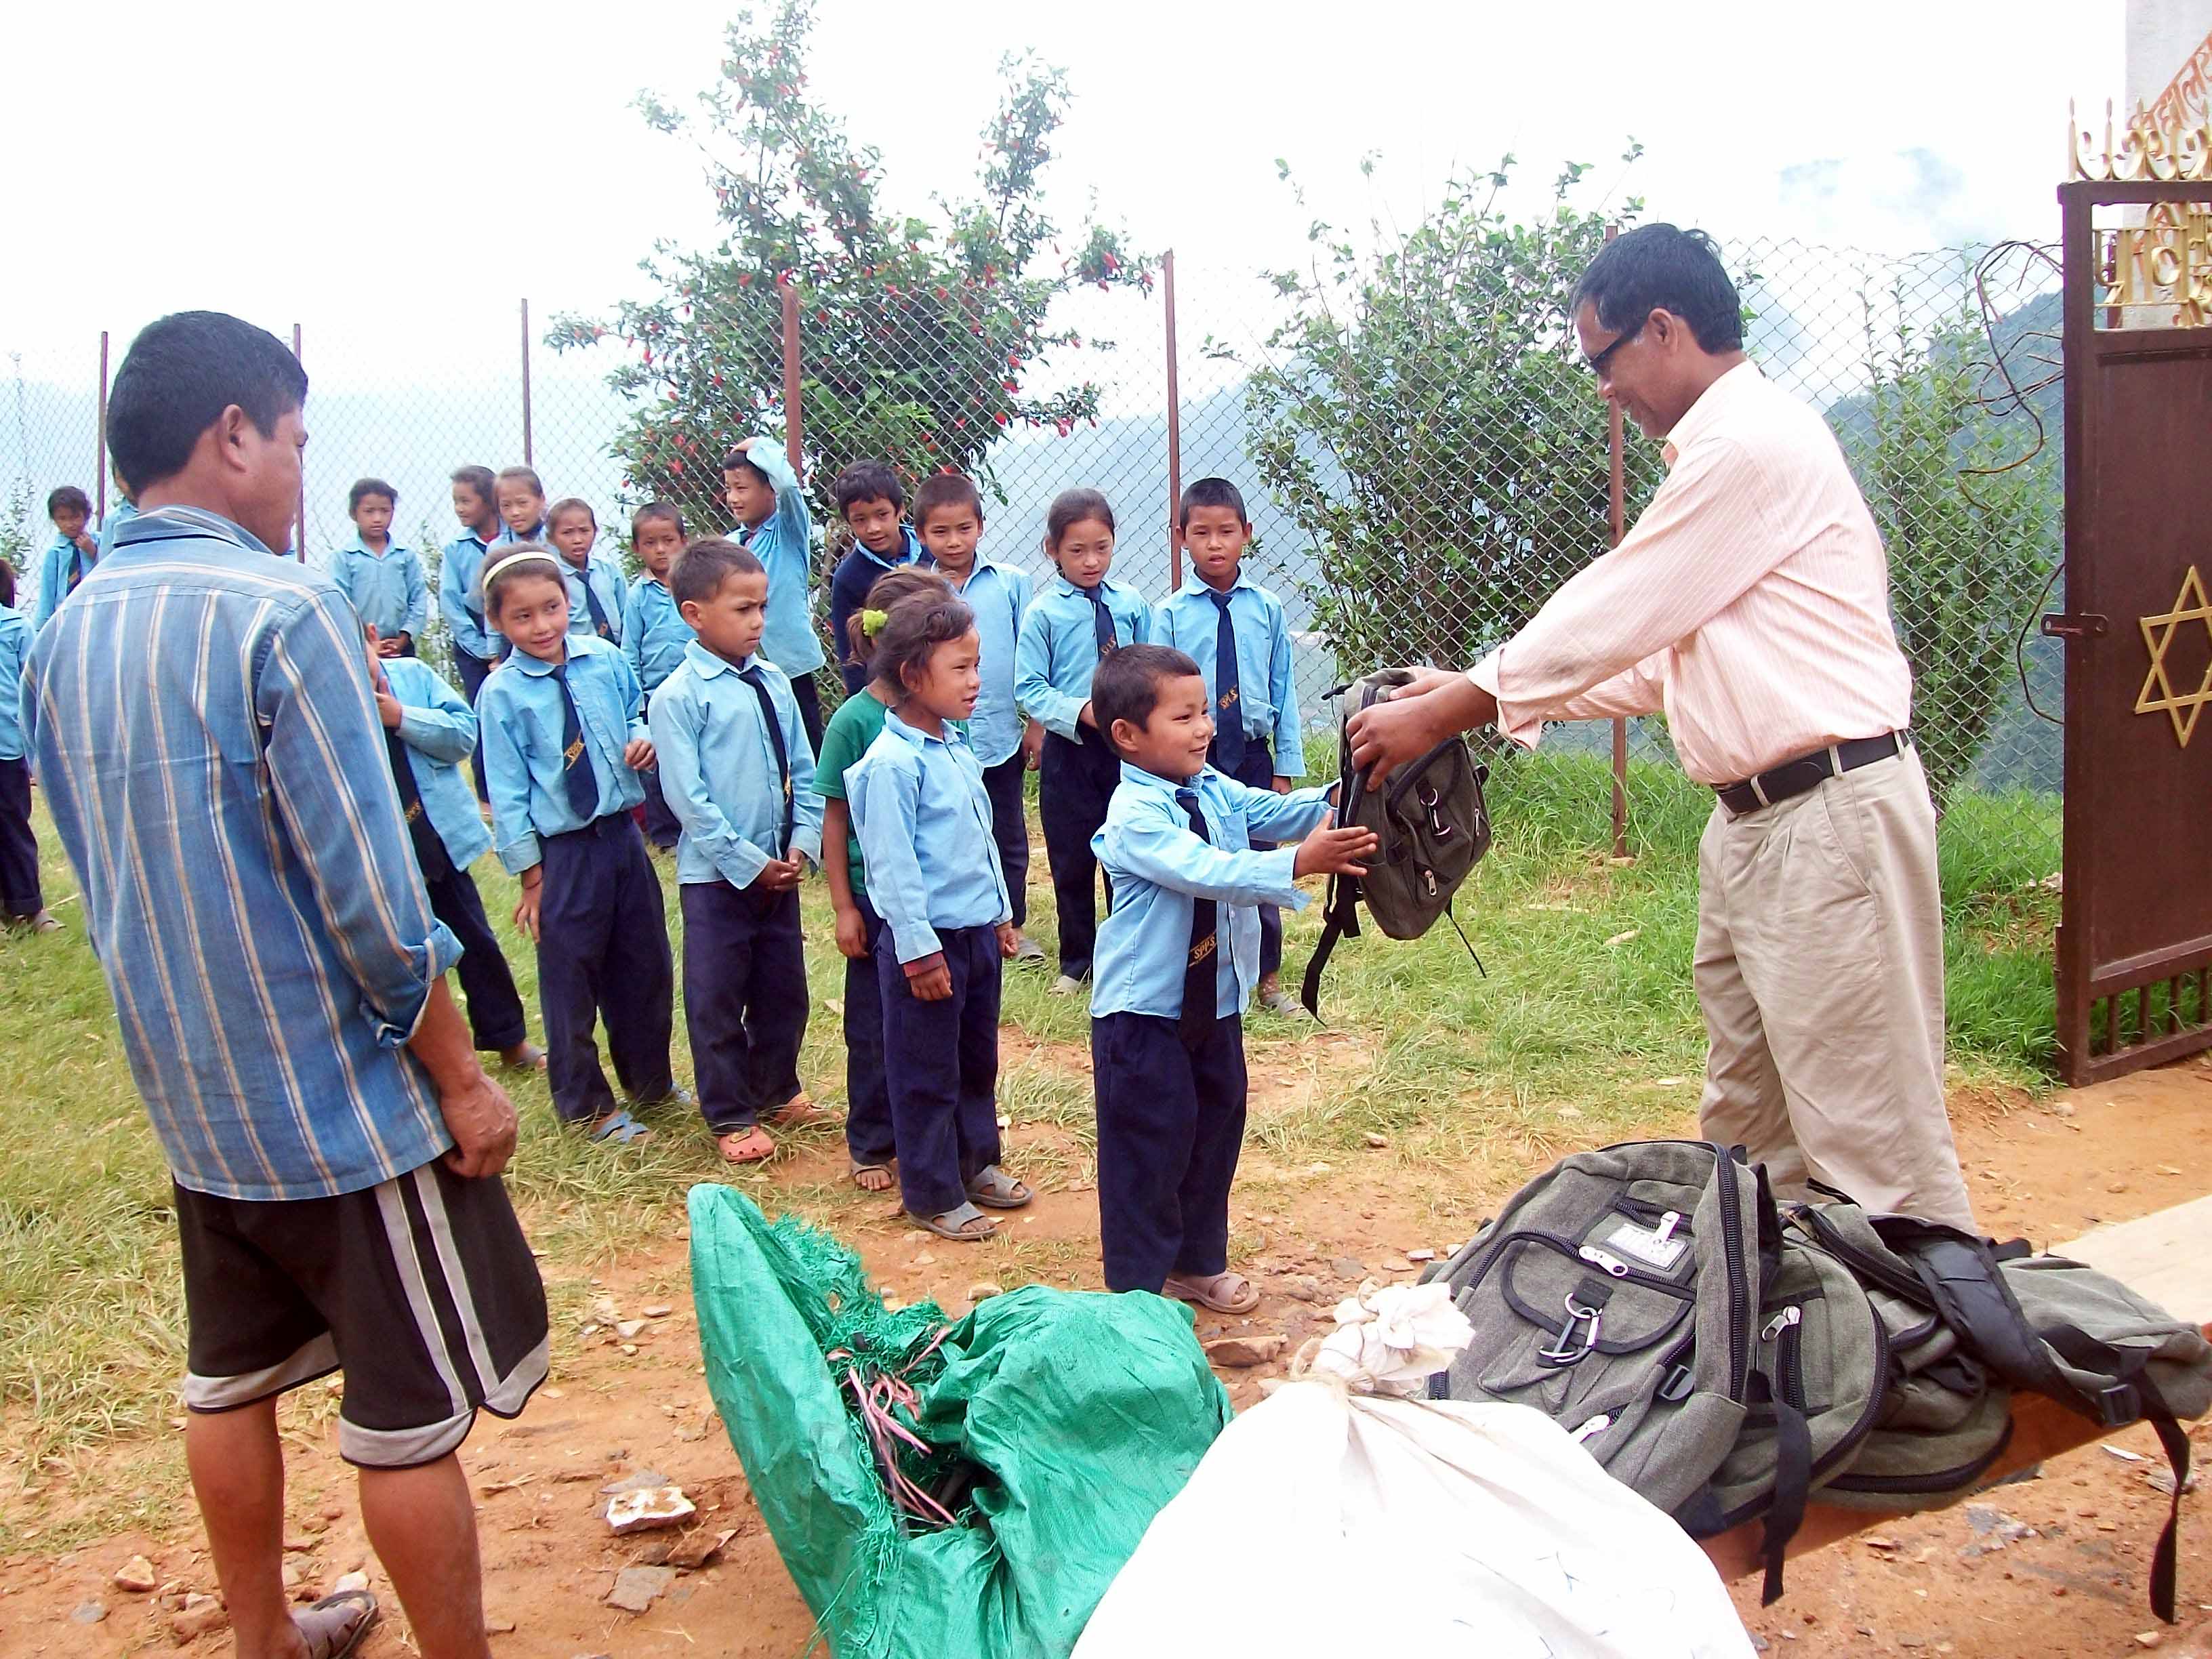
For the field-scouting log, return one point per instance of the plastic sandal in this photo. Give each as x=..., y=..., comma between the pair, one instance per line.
x=958, y=1225
x=618, y=1127
x=994, y=1189
x=730, y=1143
x=1215, y=1291
x=325, y=1649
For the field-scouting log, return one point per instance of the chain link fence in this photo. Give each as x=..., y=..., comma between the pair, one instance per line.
x=1424, y=456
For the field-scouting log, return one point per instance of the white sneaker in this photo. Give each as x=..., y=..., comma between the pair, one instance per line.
x=1066, y=987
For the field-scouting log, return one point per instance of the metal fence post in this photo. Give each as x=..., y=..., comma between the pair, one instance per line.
x=299, y=507
x=1618, y=486
x=529, y=457
x=1175, y=431
x=100, y=443
x=791, y=398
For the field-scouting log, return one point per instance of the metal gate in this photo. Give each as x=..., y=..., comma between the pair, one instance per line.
x=2134, y=940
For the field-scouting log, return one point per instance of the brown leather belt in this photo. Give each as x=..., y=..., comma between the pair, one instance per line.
x=1795, y=777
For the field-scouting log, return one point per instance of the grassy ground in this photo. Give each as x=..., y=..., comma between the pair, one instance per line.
x=1584, y=1024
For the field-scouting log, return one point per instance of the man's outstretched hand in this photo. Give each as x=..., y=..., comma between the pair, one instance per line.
x=1438, y=704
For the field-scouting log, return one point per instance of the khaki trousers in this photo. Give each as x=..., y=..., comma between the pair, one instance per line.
x=1819, y=967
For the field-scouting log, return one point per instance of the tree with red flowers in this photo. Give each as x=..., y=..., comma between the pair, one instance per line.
x=920, y=335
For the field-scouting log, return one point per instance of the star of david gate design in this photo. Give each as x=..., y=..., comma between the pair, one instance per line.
x=2135, y=938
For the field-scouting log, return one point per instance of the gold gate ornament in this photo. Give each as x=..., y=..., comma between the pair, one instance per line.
x=2182, y=709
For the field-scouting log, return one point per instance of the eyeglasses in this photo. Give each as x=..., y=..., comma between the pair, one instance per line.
x=1599, y=364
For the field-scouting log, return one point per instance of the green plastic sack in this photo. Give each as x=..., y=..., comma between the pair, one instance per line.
x=1083, y=1415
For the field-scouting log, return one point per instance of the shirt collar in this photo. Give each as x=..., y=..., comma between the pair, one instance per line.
x=1194, y=583
x=355, y=544
x=919, y=739
x=1105, y=586
x=711, y=663
x=1133, y=772
x=1711, y=405
x=175, y=521
x=910, y=551
x=537, y=665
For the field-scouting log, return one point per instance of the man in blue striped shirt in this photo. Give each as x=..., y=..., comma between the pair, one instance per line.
x=212, y=760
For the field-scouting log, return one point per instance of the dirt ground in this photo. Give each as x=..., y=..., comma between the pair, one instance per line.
x=2040, y=1570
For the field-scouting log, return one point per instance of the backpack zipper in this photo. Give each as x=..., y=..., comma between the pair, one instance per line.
x=1595, y=1427
x=1739, y=1280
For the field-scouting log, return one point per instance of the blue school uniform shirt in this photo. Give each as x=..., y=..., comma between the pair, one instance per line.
x=120, y=514
x=857, y=571
x=460, y=597
x=1058, y=652
x=1158, y=866
x=924, y=820
x=440, y=730
x=202, y=729
x=784, y=543
x=1266, y=691
x=998, y=597
x=606, y=585
x=520, y=716
x=718, y=769
x=15, y=647
x=654, y=635
x=387, y=590
x=54, y=575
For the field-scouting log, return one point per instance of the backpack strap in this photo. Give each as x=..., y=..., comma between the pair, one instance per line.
x=1340, y=913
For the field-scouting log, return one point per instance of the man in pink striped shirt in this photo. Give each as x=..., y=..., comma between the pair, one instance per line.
x=1751, y=603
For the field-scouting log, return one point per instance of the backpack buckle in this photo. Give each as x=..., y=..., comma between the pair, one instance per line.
x=2119, y=1404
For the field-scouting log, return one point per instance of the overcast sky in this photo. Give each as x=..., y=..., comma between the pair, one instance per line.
x=400, y=174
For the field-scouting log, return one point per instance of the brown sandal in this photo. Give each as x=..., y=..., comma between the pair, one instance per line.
x=1222, y=1293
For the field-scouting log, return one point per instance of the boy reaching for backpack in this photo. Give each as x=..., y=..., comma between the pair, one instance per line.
x=1173, y=973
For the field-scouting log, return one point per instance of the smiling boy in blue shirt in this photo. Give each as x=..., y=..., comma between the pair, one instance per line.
x=1239, y=635
x=763, y=494
x=870, y=499
x=384, y=580
x=738, y=772
x=1173, y=973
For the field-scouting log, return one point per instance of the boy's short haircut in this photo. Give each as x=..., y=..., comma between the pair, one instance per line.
x=570, y=504
x=738, y=458
x=943, y=490
x=655, y=513
x=364, y=488
x=7, y=583
x=71, y=496
x=701, y=569
x=1212, y=492
x=1127, y=685
x=182, y=372
x=521, y=475
x=519, y=562
x=479, y=479
x=868, y=480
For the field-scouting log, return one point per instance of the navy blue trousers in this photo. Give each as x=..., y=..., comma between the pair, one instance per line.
x=1258, y=769
x=603, y=954
x=496, y=1018
x=19, y=848
x=868, y=1134
x=1011, y=829
x=473, y=670
x=1170, y=1128
x=941, y=1060
x=1078, y=779
x=660, y=826
x=744, y=999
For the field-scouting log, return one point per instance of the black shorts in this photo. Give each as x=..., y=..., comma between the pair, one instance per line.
x=421, y=1290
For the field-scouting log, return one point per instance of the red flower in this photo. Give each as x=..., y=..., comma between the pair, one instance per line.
x=1001, y=417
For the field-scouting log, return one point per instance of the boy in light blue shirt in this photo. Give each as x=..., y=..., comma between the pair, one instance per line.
x=1177, y=957
x=595, y=586
x=476, y=648
x=1074, y=622
x=384, y=581
x=22, y=900
x=71, y=554
x=738, y=772
x=1238, y=634
x=763, y=494
x=654, y=637
x=870, y=499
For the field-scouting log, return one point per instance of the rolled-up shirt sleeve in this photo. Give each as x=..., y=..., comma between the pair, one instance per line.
x=329, y=771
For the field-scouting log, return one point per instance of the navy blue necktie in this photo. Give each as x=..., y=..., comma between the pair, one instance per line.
x=76, y=567
x=600, y=625
x=1198, y=974
x=752, y=675
x=1101, y=618
x=1228, y=693
x=430, y=853
x=576, y=774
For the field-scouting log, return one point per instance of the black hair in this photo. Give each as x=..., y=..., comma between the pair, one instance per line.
x=1071, y=507
x=942, y=489
x=364, y=488
x=479, y=479
x=737, y=458
x=655, y=513
x=518, y=562
x=890, y=589
x=569, y=504
x=701, y=569
x=1661, y=268
x=7, y=583
x=867, y=481
x=182, y=372
x=71, y=496
x=1126, y=684
x=1212, y=492
x=916, y=628
x=519, y=475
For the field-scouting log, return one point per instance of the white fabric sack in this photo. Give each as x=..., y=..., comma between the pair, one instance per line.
x=1340, y=1524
